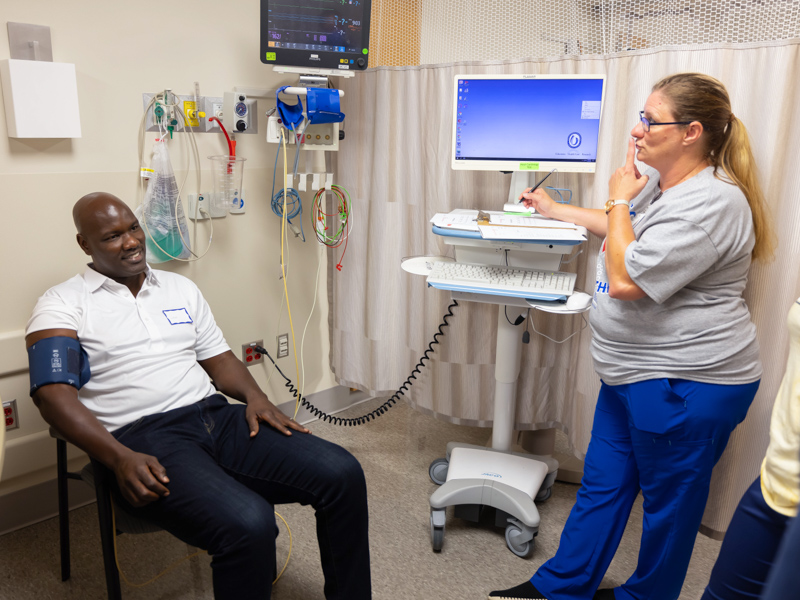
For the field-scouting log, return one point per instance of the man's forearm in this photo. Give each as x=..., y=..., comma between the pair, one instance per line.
x=60, y=408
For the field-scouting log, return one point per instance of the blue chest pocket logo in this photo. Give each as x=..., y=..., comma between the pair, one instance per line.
x=177, y=316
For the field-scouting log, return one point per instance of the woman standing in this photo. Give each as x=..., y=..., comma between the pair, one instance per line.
x=672, y=339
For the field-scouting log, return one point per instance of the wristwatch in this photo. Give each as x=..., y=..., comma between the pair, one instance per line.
x=612, y=203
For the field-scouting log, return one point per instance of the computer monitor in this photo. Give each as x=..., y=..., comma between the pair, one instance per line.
x=526, y=122
x=322, y=35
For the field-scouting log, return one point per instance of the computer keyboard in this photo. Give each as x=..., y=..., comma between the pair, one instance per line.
x=502, y=281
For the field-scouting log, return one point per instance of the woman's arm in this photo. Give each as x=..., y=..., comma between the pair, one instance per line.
x=592, y=218
x=625, y=184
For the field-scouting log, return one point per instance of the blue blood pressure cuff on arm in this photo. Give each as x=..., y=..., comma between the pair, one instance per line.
x=58, y=359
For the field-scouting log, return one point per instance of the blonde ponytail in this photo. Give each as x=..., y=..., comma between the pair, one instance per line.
x=737, y=161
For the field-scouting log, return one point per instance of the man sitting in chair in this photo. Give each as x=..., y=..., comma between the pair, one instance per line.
x=122, y=362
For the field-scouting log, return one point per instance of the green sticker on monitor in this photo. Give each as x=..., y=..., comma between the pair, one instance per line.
x=270, y=56
x=528, y=166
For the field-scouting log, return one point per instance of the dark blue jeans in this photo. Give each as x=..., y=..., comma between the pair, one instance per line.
x=784, y=578
x=748, y=550
x=224, y=486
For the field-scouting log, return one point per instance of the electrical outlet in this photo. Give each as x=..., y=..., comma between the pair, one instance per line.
x=11, y=415
x=283, y=345
x=249, y=354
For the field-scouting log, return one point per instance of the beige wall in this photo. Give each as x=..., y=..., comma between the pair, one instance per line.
x=120, y=50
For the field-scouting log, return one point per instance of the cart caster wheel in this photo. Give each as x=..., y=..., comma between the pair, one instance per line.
x=437, y=535
x=522, y=549
x=438, y=471
x=544, y=494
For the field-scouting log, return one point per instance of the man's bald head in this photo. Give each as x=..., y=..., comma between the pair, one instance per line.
x=109, y=232
x=88, y=208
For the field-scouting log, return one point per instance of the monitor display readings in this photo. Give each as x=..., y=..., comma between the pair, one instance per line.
x=324, y=34
x=526, y=122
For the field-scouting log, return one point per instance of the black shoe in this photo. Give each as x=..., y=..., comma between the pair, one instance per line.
x=606, y=594
x=524, y=591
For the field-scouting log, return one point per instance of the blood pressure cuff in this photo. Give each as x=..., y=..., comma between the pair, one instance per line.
x=291, y=114
x=58, y=359
x=322, y=106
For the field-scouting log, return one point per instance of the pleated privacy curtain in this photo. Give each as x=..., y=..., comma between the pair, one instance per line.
x=395, y=161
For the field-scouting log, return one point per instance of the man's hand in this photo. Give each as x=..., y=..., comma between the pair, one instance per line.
x=261, y=409
x=232, y=378
x=626, y=183
x=141, y=478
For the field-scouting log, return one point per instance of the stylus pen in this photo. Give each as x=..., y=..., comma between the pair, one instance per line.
x=533, y=189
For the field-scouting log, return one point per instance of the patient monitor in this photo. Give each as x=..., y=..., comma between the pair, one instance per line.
x=315, y=35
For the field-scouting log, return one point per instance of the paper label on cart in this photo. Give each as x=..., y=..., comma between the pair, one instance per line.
x=561, y=234
x=461, y=222
x=528, y=221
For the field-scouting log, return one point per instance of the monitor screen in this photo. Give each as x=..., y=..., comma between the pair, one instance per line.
x=315, y=33
x=526, y=122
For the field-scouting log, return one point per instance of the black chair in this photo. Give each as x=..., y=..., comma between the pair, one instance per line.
x=100, y=477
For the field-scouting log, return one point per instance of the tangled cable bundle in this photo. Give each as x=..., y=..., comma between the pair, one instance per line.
x=324, y=223
x=383, y=407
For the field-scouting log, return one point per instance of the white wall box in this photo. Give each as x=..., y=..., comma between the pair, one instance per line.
x=41, y=99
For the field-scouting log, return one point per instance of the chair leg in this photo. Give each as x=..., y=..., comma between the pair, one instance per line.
x=107, y=532
x=63, y=506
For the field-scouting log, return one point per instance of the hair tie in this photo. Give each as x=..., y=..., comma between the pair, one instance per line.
x=731, y=118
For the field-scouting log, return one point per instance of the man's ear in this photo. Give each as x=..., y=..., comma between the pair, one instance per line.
x=692, y=133
x=83, y=244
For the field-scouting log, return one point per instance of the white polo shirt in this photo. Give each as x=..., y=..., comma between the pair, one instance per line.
x=143, y=351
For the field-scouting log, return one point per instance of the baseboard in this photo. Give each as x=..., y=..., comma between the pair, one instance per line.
x=712, y=533
x=330, y=401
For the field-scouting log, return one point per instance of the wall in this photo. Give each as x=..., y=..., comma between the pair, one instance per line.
x=121, y=50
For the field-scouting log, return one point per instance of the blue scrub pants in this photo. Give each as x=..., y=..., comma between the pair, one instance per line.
x=749, y=549
x=224, y=486
x=663, y=437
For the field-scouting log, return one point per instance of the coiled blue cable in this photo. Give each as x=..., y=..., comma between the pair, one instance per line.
x=294, y=205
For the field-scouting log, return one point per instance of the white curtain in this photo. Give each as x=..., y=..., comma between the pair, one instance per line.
x=395, y=161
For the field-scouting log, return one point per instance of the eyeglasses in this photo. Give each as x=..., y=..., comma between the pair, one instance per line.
x=646, y=123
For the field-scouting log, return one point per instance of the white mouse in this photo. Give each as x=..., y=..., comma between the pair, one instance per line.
x=578, y=301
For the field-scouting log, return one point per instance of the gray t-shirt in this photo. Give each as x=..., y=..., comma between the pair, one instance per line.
x=691, y=257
